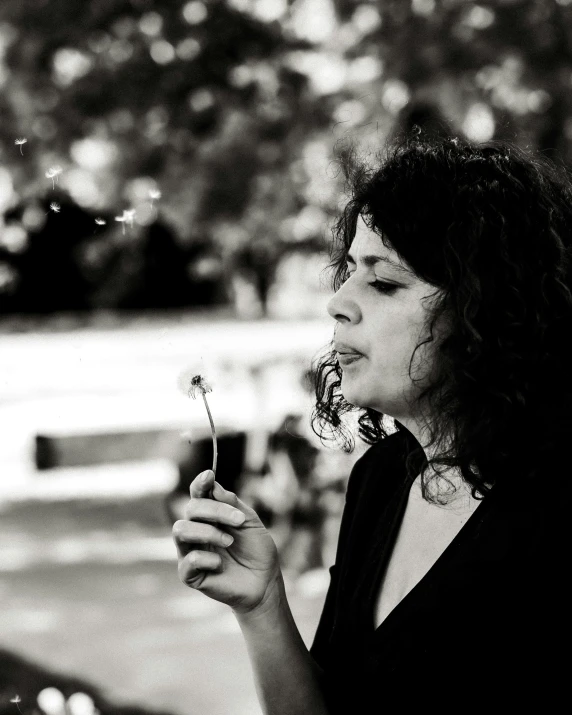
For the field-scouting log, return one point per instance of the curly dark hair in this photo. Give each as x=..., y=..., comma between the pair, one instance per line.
x=489, y=225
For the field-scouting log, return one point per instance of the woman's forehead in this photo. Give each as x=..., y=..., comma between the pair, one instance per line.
x=368, y=248
x=366, y=241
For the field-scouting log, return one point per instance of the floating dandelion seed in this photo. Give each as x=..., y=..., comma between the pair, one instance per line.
x=54, y=207
x=99, y=222
x=52, y=173
x=121, y=219
x=126, y=217
x=129, y=215
x=154, y=195
x=16, y=699
x=20, y=142
x=199, y=385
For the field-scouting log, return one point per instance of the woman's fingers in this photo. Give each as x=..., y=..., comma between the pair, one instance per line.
x=193, y=566
x=195, y=532
x=215, y=512
x=220, y=494
x=202, y=484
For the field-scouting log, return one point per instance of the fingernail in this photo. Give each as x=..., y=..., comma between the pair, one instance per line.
x=205, y=476
x=217, y=487
x=238, y=517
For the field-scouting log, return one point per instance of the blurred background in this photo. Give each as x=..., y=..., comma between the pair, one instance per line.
x=168, y=179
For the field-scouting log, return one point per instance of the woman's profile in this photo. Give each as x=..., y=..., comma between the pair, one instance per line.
x=452, y=321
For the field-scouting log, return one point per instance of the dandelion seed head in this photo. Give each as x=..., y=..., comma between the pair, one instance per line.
x=100, y=222
x=21, y=141
x=194, y=377
x=194, y=384
x=16, y=699
x=55, y=207
x=154, y=194
x=198, y=385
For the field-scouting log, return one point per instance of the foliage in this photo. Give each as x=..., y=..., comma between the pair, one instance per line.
x=235, y=110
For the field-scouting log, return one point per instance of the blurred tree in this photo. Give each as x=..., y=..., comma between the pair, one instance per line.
x=50, y=278
x=235, y=109
x=497, y=69
x=191, y=96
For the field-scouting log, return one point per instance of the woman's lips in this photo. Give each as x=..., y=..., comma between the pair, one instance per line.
x=346, y=359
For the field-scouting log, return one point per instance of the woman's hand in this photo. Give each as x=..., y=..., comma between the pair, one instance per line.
x=244, y=574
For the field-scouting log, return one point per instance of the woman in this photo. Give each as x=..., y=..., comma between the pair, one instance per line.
x=453, y=315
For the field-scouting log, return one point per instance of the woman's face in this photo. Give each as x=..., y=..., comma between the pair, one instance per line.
x=382, y=322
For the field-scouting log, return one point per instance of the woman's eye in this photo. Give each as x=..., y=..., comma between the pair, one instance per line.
x=383, y=287
x=380, y=286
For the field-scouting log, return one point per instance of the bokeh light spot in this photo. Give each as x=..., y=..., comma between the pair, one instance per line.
x=479, y=18
x=120, y=51
x=423, y=7
x=13, y=238
x=83, y=188
x=151, y=23
x=195, y=12
x=395, y=96
x=162, y=52
x=326, y=71
x=200, y=100
x=364, y=69
x=313, y=20
x=69, y=65
x=93, y=153
x=366, y=18
x=8, y=278
x=269, y=10
x=479, y=124
x=188, y=49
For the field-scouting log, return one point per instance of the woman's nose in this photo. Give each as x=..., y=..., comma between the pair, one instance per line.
x=342, y=307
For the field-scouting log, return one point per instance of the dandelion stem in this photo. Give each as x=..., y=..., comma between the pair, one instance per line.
x=212, y=431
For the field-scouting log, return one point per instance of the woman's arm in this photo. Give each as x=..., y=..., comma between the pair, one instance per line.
x=246, y=576
x=287, y=678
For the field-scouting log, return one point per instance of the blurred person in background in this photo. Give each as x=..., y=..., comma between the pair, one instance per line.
x=452, y=317
x=298, y=530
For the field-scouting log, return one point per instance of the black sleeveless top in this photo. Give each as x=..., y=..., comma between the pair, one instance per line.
x=489, y=622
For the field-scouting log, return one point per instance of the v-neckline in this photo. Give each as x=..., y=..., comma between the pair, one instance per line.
x=379, y=573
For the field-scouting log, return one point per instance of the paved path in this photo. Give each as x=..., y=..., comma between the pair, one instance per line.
x=90, y=588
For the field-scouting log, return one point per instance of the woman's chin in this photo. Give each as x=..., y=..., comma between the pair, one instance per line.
x=353, y=395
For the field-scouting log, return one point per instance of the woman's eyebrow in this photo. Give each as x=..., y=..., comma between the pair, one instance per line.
x=371, y=260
